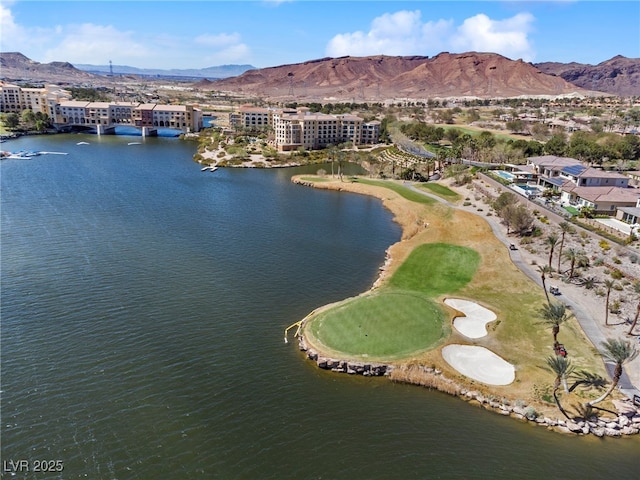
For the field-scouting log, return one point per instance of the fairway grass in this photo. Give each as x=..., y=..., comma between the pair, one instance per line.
x=436, y=268
x=405, y=192
x=402, y=319
x=441, y=191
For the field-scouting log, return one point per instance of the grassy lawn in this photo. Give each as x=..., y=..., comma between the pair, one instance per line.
x=572, y=210
x=402, y=319
x=441, y=191
x=388, y=324
x=436, y=268
x=316, y=179
x=399, y=189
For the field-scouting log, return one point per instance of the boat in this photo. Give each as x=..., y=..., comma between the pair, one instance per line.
x=211, y=168
x=82, y=143
x=133, y=143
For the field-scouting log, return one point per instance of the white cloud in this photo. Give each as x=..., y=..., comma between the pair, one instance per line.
x=94, y=44
x=397, y=33
x=404, y=33
x=507, y=37
x=219, y=40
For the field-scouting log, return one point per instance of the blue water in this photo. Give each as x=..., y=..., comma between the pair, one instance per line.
x=503, y=174
x=143, y=309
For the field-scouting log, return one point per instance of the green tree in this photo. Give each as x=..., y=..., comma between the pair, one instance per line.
x=636, y=289
x=562, y=368
x=556, y=145
x=544, y=269
x=551, y=241
x=11, y=121
x=553, y=315
x=609, y=284
x=565, y=227
x=574, y=256
x=620, y=352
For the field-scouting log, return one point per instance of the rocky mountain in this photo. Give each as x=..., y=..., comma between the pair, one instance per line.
x=619, y=75
x=220, y=71
x=15, y=66
x=382, y=77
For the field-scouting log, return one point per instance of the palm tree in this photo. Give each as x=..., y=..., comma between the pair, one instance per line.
x=565, y=228
x=552, y=241
x=574, y=256
x=609, y=284
x=562, y=367
x=553, y=315
x=544, y=269
x=636, y=288
x=620, y=352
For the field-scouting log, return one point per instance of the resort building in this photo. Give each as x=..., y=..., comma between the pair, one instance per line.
x=80, y=113
x=15, y=99
x=65, y=112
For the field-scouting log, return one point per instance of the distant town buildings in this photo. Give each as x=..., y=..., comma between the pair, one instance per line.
x=65, y=112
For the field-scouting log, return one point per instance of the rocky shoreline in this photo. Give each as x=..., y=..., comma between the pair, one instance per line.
x=626, y=423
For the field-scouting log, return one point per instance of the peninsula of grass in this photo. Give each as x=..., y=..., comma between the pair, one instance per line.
x=441, y=191
x=403, y=318
x=447, y=252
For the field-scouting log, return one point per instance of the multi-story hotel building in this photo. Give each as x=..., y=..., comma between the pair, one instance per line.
x=15, y=99
x=317, y=130
x=65, y=112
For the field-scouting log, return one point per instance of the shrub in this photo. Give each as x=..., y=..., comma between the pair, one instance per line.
x=617, y=274
x=531, y=413
x=604, y=245
x=614, y=307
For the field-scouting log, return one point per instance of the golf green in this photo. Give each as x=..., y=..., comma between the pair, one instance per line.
x=387, y=324
x=402, y=318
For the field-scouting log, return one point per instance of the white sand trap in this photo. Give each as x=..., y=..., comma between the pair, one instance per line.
x=473, y=324
x=480, y=364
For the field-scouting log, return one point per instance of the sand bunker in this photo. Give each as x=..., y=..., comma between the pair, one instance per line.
x=473, y=324
x=479, y=363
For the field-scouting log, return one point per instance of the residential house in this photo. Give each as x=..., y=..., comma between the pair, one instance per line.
x=630, y=215
x=603, y=200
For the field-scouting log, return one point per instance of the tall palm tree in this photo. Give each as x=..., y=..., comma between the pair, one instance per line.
x=551, y=241
x=544, y=269
x=620, y=352
x=553, y=315
x=565, y=227
x=562, y=367
x=609, y=284
x=636, y=288
x=574, y=256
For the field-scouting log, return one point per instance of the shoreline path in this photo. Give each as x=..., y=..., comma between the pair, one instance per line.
x=629, y=384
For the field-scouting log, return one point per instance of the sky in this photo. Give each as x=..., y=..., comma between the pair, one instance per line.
x=185, y=34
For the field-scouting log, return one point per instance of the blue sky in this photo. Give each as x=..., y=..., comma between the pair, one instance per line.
x=203, y=33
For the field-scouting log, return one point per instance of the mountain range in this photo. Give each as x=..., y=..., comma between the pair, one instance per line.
x=220, y=71
x=373, y=78
x=382, y=77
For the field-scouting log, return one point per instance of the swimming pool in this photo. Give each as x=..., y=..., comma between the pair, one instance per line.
x=506, y=175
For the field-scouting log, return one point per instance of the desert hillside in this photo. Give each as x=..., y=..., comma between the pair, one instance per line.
x=382, y=77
